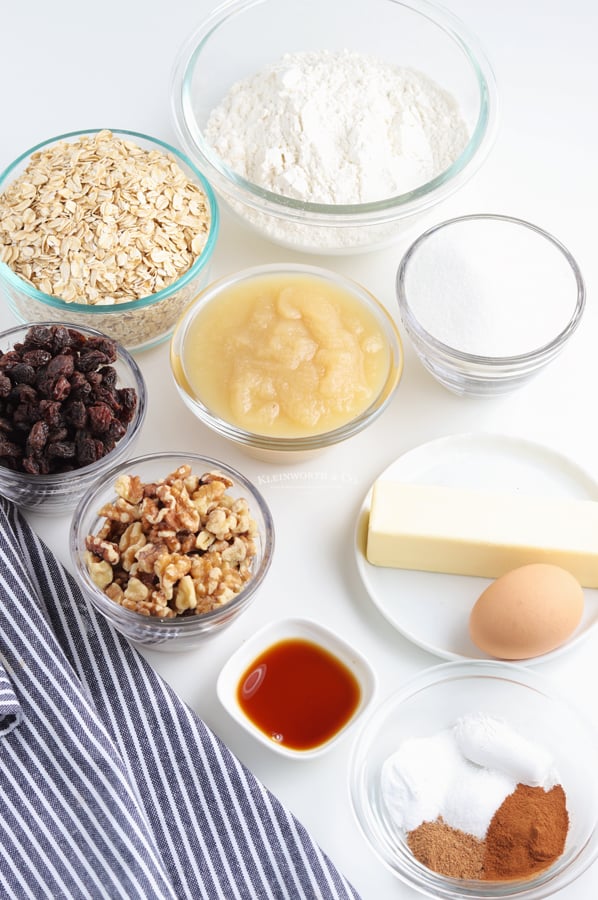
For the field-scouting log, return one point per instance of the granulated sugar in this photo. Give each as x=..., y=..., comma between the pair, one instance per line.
x=490, y=287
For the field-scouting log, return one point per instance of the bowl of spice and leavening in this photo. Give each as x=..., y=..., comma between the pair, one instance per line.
x=171, y=547
x=477, y=780
x=286, y=360
x=256, y=105
x=488, y=301
x=72, y=404
x=106, y=228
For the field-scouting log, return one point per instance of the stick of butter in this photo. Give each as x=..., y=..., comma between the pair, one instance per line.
x=469, y=532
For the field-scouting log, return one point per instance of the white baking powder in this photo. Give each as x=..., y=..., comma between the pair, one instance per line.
x=337, y=127
x=462, y=774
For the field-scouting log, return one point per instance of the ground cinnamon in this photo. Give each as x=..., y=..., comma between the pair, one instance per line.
x=527, y=833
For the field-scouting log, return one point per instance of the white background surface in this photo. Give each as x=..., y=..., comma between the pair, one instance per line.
x=70, y=65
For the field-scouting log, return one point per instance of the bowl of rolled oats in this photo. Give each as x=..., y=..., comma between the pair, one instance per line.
x=72, y=404
x=171, y=547
x=107, y=228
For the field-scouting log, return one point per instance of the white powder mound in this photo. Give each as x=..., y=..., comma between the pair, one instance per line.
x=492, y=742
x=429, y=777
x=337, y=127
x=462, y=774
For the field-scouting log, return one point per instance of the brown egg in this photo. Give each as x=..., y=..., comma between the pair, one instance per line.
x=526, y=612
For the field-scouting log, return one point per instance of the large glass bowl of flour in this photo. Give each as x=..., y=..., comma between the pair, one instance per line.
x=333, y=127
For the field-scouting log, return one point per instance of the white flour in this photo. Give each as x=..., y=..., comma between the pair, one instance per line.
x=337, y=127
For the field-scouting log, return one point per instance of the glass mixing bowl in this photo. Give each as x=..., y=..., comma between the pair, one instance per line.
x=136, y=324
x=433, y=700
x=242, y=37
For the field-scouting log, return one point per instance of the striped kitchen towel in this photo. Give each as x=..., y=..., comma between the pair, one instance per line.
x=110, y=786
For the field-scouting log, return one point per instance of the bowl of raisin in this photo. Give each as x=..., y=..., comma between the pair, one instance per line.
x=72, y=403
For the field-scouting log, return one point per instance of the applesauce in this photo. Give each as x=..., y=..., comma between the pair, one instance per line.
x=285, y=355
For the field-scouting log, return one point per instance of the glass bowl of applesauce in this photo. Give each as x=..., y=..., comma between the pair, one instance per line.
x=286, y=358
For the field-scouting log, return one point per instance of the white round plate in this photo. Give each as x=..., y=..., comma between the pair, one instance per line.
x=430, y=609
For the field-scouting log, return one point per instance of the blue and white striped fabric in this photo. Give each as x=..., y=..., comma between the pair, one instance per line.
x=109, y=785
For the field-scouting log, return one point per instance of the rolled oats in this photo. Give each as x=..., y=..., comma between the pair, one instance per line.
x=102, y=220
x=179, y=546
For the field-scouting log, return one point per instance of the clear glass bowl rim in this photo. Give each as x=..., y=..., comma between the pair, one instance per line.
x=376, y=212
x=309, y=442
x=106, y=309
x=133, y=429
x=426, y=880
x=522, y=360
x=129, y=618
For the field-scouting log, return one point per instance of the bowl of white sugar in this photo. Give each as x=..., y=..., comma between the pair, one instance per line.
x=488, y=301
x=333, y=127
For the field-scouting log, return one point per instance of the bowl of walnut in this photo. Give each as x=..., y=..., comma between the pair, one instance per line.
x=72, y=404
x=107, y=228
x=171, y=547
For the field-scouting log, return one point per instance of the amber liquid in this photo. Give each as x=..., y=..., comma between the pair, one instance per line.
x=298, y=694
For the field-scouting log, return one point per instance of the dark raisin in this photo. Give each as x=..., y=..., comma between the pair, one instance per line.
x=100, y=417
x=76, y=413
x=37, y=357
x=89, y=450
x=104, y=345
x=92, y=360
x=61, y=339
x=115, y=432
x=51, y=411
x=109, y=376
x=80, y=386
x=36, y=465
x=61, y=388
x=62, y=365
x=5, y=385
x=21, y=373
x=8, y=449
x=40, y=336
x=23, y=393
x=128, y=400
x=58, y=434
x=94, y=379
x=61, y=450
x=37, y=438
x=26, y=414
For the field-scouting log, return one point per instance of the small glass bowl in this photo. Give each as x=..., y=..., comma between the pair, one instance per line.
x=291, y=629
x=240, y=38
x=56, y=494
x=136, y=324
x=433, y=700
x=282, y=448
x=181, y=632
x=488, y=301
